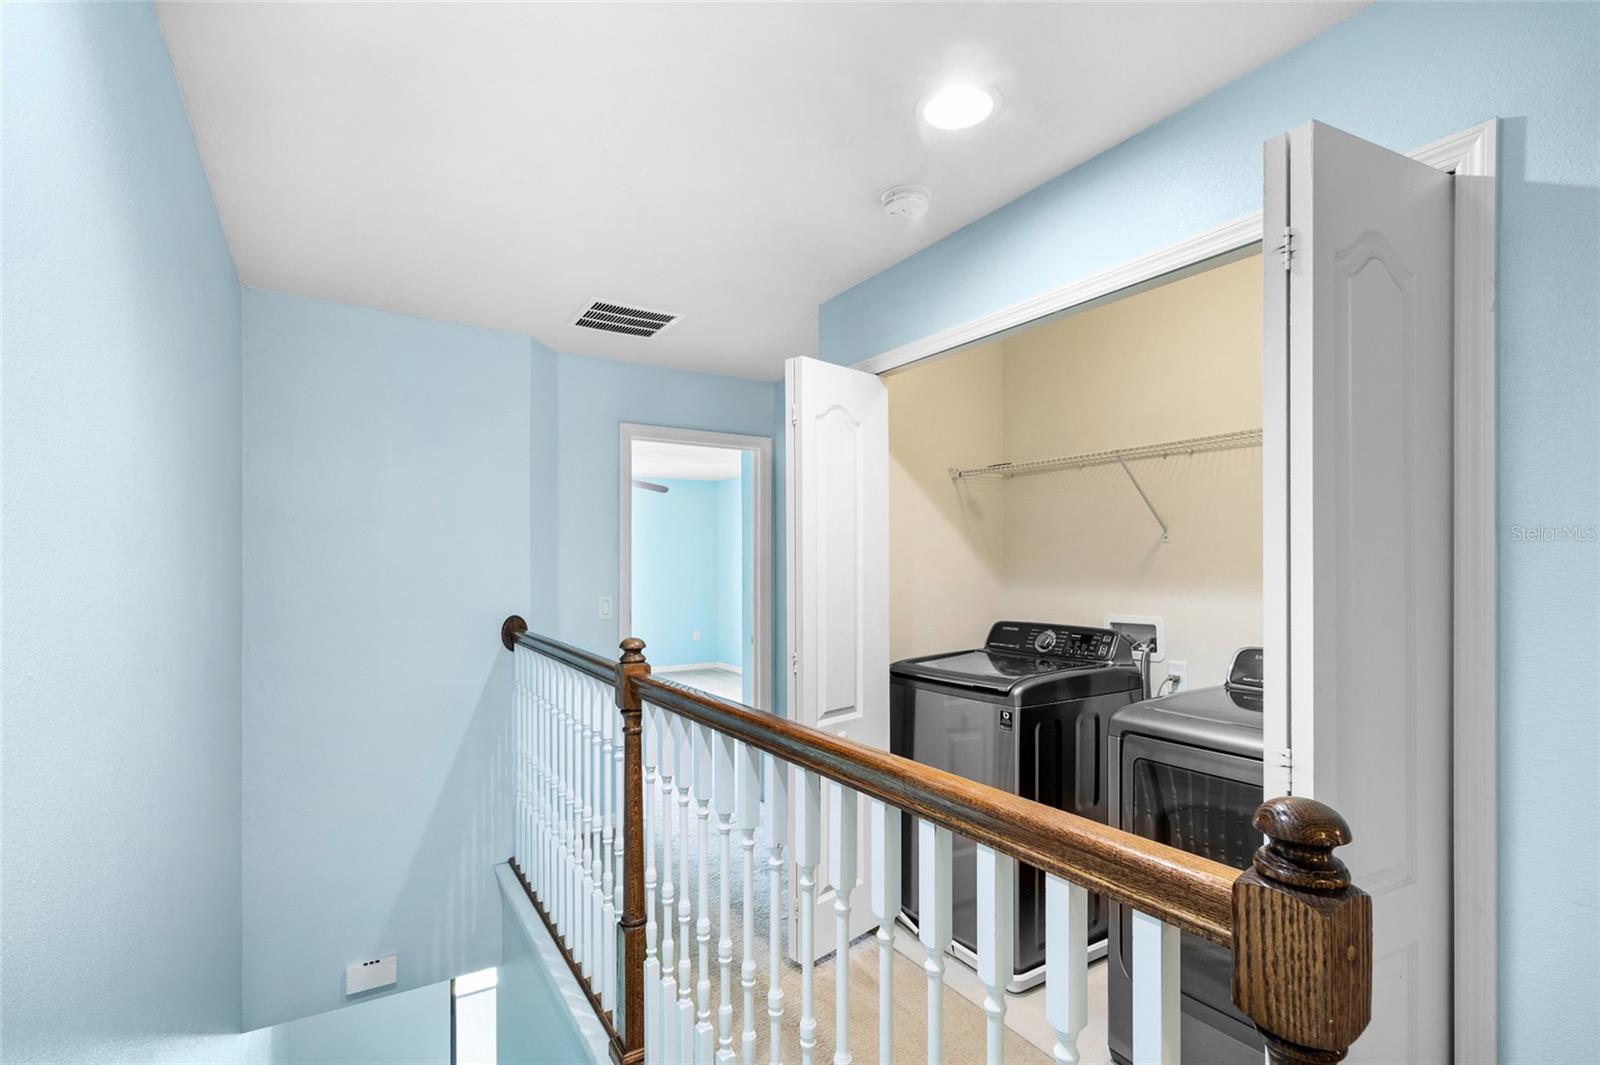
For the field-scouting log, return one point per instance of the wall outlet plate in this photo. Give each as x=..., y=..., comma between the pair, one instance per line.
x=695, y=634
x=605, y=608
x=1141, y=628
x=1181, y=671
x=371, y=974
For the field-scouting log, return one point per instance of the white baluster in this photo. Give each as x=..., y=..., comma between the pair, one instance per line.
x=933, y=920
x=531, y=785
x=843, y=859
x=723, y=801
x=748, y=785
x=704, y=782
x=652, y=961
x=886, y=908
x=618, y=803
x=580, y=915
x=607, y=924
x=997, y=893
x=1066, y=960
x=537, y=721
x=598, y=791
x=808, y=852
x=564, y=821
x=777, y=840
x=550, y=719
x=684, y=745
x=569, y=837
x=593, y=876
x=1155, y=991
x=667, y=1020
x=519, y=762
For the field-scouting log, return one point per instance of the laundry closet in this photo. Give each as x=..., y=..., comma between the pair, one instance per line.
x=1075, y=533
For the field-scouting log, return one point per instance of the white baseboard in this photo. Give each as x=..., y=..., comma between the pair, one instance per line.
x=692, y=666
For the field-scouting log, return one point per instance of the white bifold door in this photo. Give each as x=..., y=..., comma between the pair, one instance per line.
x=838, y=568
x=1357, y=536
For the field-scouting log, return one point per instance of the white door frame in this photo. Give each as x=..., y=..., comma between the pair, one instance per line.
x=1471, y=156
x=761, y=492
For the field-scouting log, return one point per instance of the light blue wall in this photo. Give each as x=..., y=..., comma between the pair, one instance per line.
x=533, y=1025
x=676, y=563
x=119, y=557
x=405, y=1028
x=1401, y=75
x=594, y=396
x=387, y=474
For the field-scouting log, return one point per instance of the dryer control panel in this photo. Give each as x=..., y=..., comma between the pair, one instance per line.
x=1044, y=640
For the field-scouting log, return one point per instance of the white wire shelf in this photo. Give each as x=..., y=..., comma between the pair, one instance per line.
x=1191, y=446
x=1194, y=445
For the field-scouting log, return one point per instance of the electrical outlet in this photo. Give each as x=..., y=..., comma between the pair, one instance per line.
x=371, y=974
x=1180, y=671
x=605, y=608
x=695, y=635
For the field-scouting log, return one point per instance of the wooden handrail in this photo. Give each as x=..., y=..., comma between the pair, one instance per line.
x=515, y=631
x=1182, y=889
x=1300, y=932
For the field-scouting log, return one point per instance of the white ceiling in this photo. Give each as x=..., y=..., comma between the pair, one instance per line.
x=503, y=165
x=656, y=460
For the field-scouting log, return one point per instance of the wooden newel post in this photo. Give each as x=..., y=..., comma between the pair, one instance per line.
x=1302, y=937
x=630, y=668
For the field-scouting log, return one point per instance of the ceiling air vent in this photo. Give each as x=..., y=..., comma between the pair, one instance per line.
x=617, y=318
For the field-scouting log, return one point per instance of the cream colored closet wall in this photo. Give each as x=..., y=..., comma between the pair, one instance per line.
x=1180, y=360
x=1177, y=361
x=945, y=558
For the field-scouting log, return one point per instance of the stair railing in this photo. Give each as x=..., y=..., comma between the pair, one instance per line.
x=620, y=775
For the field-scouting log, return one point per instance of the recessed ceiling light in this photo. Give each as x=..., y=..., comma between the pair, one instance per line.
x=960, y=105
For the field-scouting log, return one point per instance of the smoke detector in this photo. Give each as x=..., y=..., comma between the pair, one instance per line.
x=907, y=202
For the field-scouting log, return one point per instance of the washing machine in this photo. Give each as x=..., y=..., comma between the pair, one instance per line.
x=1027, y=713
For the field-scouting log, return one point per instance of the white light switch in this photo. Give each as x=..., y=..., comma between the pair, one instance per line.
x=696, y=634
x=371, y=974
x=605, y=608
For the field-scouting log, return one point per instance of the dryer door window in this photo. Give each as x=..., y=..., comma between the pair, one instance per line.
x=1200, y=801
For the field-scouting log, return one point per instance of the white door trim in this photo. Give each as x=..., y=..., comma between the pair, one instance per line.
x=1472, y=156
x=761, y=491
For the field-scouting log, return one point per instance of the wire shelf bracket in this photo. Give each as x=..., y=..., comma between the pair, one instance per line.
x=1121, y=456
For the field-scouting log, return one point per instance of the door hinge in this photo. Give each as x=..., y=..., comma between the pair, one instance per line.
x=792, y=418
x=794, y=664
x=1286, y=248
x=1286, y=763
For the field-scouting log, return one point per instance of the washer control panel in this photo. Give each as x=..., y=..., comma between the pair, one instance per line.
x=1045, y=640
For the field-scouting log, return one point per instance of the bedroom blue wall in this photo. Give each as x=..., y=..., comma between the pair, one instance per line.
x=676, y=571
x=119, y=557
x=1401, y=75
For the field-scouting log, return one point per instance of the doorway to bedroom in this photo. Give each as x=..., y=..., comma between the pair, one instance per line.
x=696, y=535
